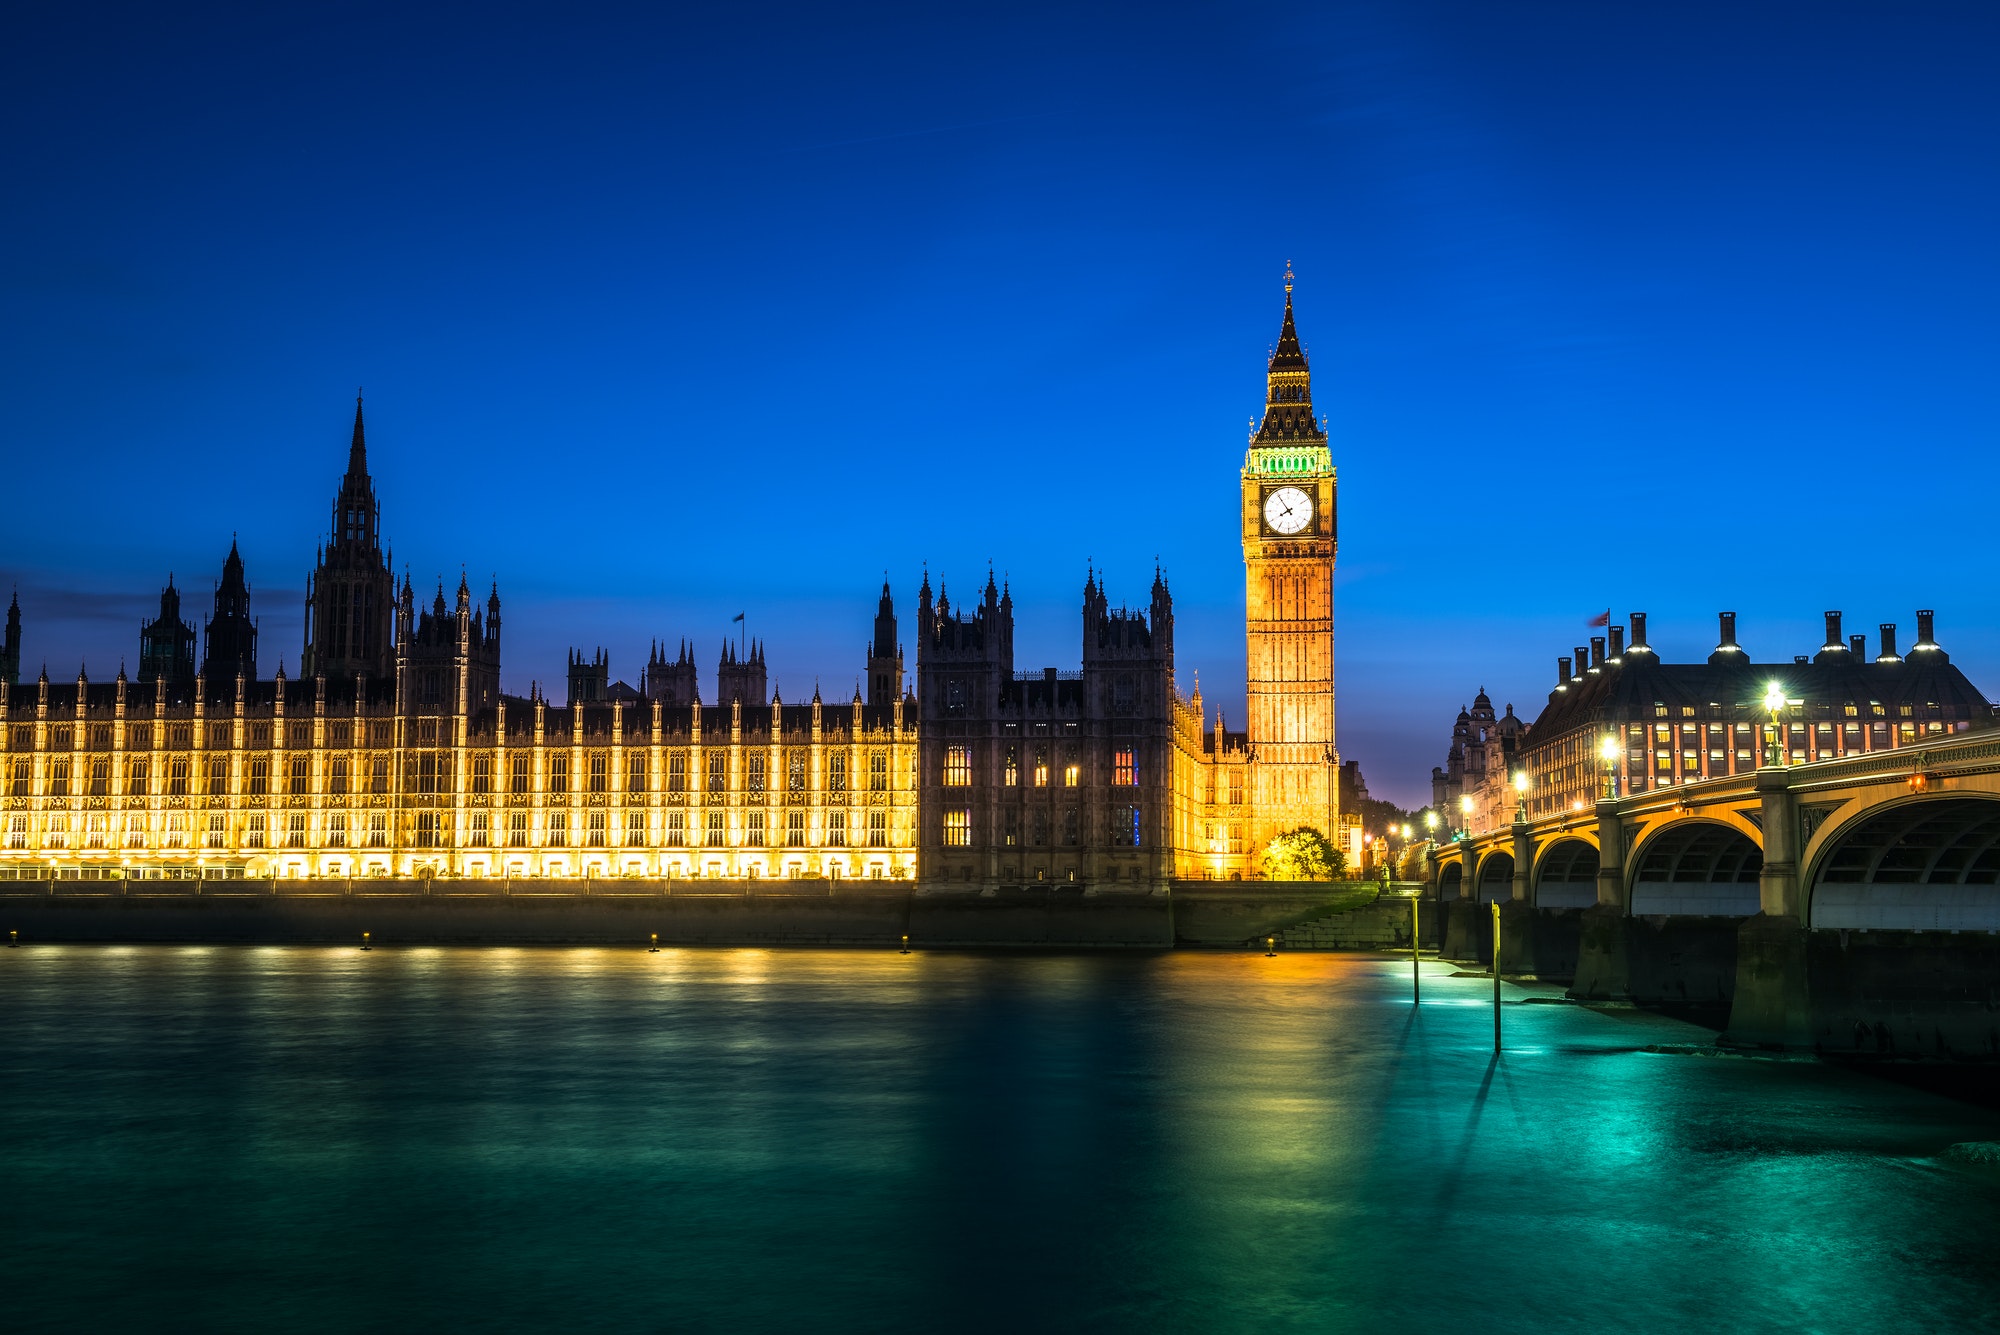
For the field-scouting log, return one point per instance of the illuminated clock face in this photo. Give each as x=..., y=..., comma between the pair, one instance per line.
x=1287, y=510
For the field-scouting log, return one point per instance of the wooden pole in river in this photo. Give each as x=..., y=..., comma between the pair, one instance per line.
x=1496, y=975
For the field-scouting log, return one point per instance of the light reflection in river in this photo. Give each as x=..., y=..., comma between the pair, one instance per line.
x=544, y=1139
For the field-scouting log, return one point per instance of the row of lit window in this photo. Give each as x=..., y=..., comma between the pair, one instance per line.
x=425, y=772
x=101, y=831
x=958, y=768
x=220, y=735
x=1851, y=709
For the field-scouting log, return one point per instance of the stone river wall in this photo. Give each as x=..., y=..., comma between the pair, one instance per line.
x=630, y=912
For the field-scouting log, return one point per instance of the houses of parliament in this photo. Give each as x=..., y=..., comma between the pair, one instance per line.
x=394, y=752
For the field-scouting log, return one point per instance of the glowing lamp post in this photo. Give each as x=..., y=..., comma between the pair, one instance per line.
x=1431, y=826
x=1521, y=796
x=1774, y=705
x=1465, y=811
x=1608, y=748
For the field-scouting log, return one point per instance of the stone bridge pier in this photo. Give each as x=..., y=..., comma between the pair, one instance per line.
x=1846, y=906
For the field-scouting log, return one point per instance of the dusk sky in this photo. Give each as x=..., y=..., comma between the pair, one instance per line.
x=666, y=314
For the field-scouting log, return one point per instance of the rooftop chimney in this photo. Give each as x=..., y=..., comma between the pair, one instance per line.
x=1639, y=644
x=1562, y=673
x=1582, y=661
x=1832, y=649
x=1857, y=645
x=1596, y=652
x=1726, y=648
x=1926, y=643
x=1889, y=654
x=1617, y=643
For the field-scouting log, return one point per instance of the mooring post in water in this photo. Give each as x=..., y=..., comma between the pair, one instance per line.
x=906, y=943
x=1416, y=968
x=13, y=938
x=654, y=949
x=364, y=942
x=1496, y=975
x=1270, y=947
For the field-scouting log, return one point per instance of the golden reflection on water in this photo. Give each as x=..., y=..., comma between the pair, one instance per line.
x=529, y=1138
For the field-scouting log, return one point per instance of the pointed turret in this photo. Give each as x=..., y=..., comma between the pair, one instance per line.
x=357, y=448
x=10, y=648
x=351, y=593
x=1288, y=415
x=166, y=644
x=885, y=655
x=1288, y=355
x=230, y=638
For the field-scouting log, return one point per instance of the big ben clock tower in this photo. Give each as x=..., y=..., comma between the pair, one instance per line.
x=1289, y=539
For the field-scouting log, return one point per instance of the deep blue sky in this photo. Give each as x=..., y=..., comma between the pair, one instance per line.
x=665, y=315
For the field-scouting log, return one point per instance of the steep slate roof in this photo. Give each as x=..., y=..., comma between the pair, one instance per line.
x=1630, y=688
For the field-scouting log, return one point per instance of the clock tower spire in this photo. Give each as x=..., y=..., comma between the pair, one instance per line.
x=1289, y=541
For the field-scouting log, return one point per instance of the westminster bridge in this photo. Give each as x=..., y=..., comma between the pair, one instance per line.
x=1847, y=905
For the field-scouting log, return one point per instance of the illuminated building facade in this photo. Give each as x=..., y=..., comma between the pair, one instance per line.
x=1485, y=752
x=1679, y=723
x=395, y=752
x=1289, y=541
x=1107, y=777
x=400, y=756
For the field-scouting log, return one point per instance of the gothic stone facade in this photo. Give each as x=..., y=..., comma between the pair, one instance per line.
x=399, y=755
x=1108, y=777
x=395, y=752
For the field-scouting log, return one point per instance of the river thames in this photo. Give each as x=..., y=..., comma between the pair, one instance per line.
x=530, y=1140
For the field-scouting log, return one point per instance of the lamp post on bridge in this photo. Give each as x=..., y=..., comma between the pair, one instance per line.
x=1608, y=748
x=1774, y=704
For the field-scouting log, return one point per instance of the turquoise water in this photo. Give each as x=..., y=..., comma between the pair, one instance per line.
x=517, y=1140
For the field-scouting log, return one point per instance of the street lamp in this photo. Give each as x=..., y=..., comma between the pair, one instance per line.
x=1608, y=748
x=1465, y=810
x=1431, y=826
x=1774, y=704
x=1521, y=793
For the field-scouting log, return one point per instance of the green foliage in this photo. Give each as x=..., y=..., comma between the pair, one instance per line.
x=1303, y=854
x=1377, y=816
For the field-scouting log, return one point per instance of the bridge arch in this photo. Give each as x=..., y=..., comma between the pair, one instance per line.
x=1566, y=875
x=1923, y=864
x=1496, y=876
x=1696, y=866
x=1451, y=879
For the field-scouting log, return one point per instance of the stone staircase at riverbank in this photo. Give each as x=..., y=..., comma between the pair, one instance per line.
x=1372, y=924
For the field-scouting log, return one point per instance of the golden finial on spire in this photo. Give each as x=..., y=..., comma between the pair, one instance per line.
x=1288, y=278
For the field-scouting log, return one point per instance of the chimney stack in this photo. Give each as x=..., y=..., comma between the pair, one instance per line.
x=1889, y=654
x=1617, y=643
x=1562, y=673
x=1582, y=661
x=1726, y=648
x=1639, y=644
x=1596, y=652
x=1833, y=648
x=1857, y=645
x=1926, y=641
